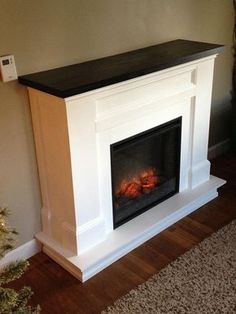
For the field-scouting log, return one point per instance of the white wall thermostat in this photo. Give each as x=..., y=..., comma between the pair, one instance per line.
x=8, y=68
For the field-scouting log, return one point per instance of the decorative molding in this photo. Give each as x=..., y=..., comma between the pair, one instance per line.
x=24, y=251
x=115, y=102
x=218, y=149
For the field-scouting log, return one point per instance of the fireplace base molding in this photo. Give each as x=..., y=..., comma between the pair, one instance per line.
x=133, y=233
x=117, y=98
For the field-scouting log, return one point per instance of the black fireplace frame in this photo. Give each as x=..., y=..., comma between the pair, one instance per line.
x=175, y=123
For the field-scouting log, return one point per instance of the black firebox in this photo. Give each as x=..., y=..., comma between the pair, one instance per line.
x=145, y=170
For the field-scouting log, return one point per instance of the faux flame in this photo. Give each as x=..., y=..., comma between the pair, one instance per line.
x=142, y=183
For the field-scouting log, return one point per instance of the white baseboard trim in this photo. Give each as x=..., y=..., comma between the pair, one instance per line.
x=24, y=251
x=218, y=149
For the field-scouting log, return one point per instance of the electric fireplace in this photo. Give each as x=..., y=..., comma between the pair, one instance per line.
x=121, y=145
x=145, y=170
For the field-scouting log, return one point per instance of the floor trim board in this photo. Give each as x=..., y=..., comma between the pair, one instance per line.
x=219, y=149
x=24, y=251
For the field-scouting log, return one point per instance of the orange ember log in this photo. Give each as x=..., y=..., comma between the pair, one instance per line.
x=145, y=181
x=130, y=189
x=150, y=182
x=133, y=190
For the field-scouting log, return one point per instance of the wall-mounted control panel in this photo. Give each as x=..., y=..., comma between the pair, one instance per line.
x=8, y=68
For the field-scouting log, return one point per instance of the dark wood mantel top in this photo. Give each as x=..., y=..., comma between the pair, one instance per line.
x=79, y=78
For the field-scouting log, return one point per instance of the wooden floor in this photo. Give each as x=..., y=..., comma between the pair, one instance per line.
x=58, y=292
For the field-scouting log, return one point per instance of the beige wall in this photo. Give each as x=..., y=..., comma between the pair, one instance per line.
x=43, y=34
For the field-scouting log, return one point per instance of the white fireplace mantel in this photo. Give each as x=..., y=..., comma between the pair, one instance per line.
x=73, y=135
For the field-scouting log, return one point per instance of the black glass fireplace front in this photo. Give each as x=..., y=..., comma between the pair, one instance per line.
x=145, y=170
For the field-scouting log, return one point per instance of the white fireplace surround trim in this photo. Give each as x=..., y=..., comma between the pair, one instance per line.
x=87, y=243
x=132, y=234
